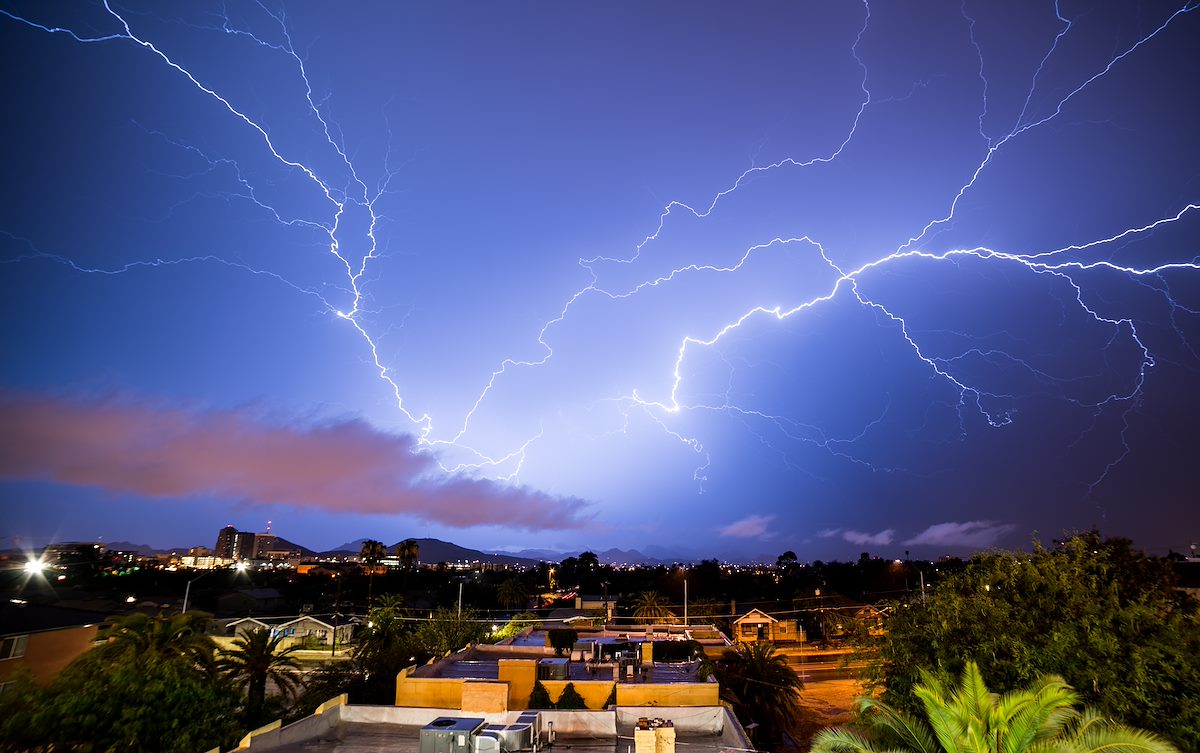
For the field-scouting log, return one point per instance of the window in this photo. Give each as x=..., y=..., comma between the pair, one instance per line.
x=13, y=646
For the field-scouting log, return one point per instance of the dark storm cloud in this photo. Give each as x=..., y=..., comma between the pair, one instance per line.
x=133, y=447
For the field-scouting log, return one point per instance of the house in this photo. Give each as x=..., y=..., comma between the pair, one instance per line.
x=320, y=628
x=756, y=625
x=239, y=628
x=43, y=639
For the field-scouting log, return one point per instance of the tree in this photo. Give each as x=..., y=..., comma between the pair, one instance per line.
x=371, y=554
x=562, y=639
x=650, y=607
x=761, y=687
x=970, y=719
x=519, y=622
x=449, y=630
x=785, y=564
x=540, y=697
x=177, y=635
x=512, y=594
x=1096, y=613
x=116, y=699
x=255, y=658
x=408, y=552
x=570, y=699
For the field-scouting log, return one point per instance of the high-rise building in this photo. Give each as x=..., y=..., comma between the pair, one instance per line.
x=263, y=544
x=243, y=545
x=225, y=539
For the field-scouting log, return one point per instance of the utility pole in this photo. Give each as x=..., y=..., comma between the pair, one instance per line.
x=685, y=614
x=460, y=585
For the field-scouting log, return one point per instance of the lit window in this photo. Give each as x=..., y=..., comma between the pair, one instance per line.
x=13, y=646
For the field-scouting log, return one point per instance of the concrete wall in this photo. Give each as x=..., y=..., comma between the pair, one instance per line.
x=520, y=674
x=594, y=692
x=47, y=652
x=668, y=694
x=428, y=692
x=484, y=697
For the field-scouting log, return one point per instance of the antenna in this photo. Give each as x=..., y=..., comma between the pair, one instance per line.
x=268, y=526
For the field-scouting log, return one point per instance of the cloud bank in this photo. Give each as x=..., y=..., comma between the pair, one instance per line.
x=134, y=447
x=973, y=533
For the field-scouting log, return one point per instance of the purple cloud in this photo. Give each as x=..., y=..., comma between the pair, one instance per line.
x=159, y=452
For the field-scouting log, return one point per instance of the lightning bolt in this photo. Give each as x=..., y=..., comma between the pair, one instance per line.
x=1063, y=266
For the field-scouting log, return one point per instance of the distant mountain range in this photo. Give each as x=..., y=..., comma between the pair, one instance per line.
x=436, y=550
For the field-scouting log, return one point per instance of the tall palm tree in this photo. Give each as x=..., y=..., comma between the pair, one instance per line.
x=371, y=554
x=255, y=658
x=408, y=552
x=650, y=607
x=760, y=686
x=970, y=719
x=512, y=594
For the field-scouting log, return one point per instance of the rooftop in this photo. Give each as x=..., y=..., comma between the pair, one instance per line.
x=337, y=728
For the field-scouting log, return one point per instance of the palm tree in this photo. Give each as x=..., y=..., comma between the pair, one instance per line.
x=146, y=637
x=761, y=687
x=512, y=593
x=255, y=658
x=969, y=719
x=649, y=607
x=408, y=552
x=371, y=554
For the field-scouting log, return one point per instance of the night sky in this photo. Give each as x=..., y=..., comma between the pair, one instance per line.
x=694, y=278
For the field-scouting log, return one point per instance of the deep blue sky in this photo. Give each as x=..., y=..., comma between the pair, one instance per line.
x=582, y=240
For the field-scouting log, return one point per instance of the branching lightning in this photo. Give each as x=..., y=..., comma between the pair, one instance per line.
x=1063, y=266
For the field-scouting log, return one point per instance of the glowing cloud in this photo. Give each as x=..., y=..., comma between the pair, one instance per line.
x=139, y=448
x=882, y=538
x=752, y=526
x=973, y=533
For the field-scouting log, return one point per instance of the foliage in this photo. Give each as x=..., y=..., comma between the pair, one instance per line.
x=512, y=594
x=540, y=697
x=970, y=719
x=562, y=639
x=178, y=635
x=676, y=650
x=408, y=552
x=649, y=607
x=371, y=554
x=1094, y=612
x=760, y=686
x=519, y=622
x=386, y=644
x=254, y=659
x=449, y=630
x=110, y=700
x=570, y=699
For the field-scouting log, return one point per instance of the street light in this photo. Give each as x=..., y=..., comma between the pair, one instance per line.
x=187, y=591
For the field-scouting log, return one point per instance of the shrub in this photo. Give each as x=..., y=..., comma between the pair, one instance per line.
x=570, y=699
x=540, y=697
x=562, y=639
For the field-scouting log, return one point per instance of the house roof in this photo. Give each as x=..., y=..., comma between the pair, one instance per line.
x=755, y=612
x=17, y=618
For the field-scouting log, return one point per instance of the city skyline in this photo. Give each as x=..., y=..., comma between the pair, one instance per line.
x=814, y=278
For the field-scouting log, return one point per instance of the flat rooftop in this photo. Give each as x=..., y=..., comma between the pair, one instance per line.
x=367, y=737
x=380, y=729
x=489, y=669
